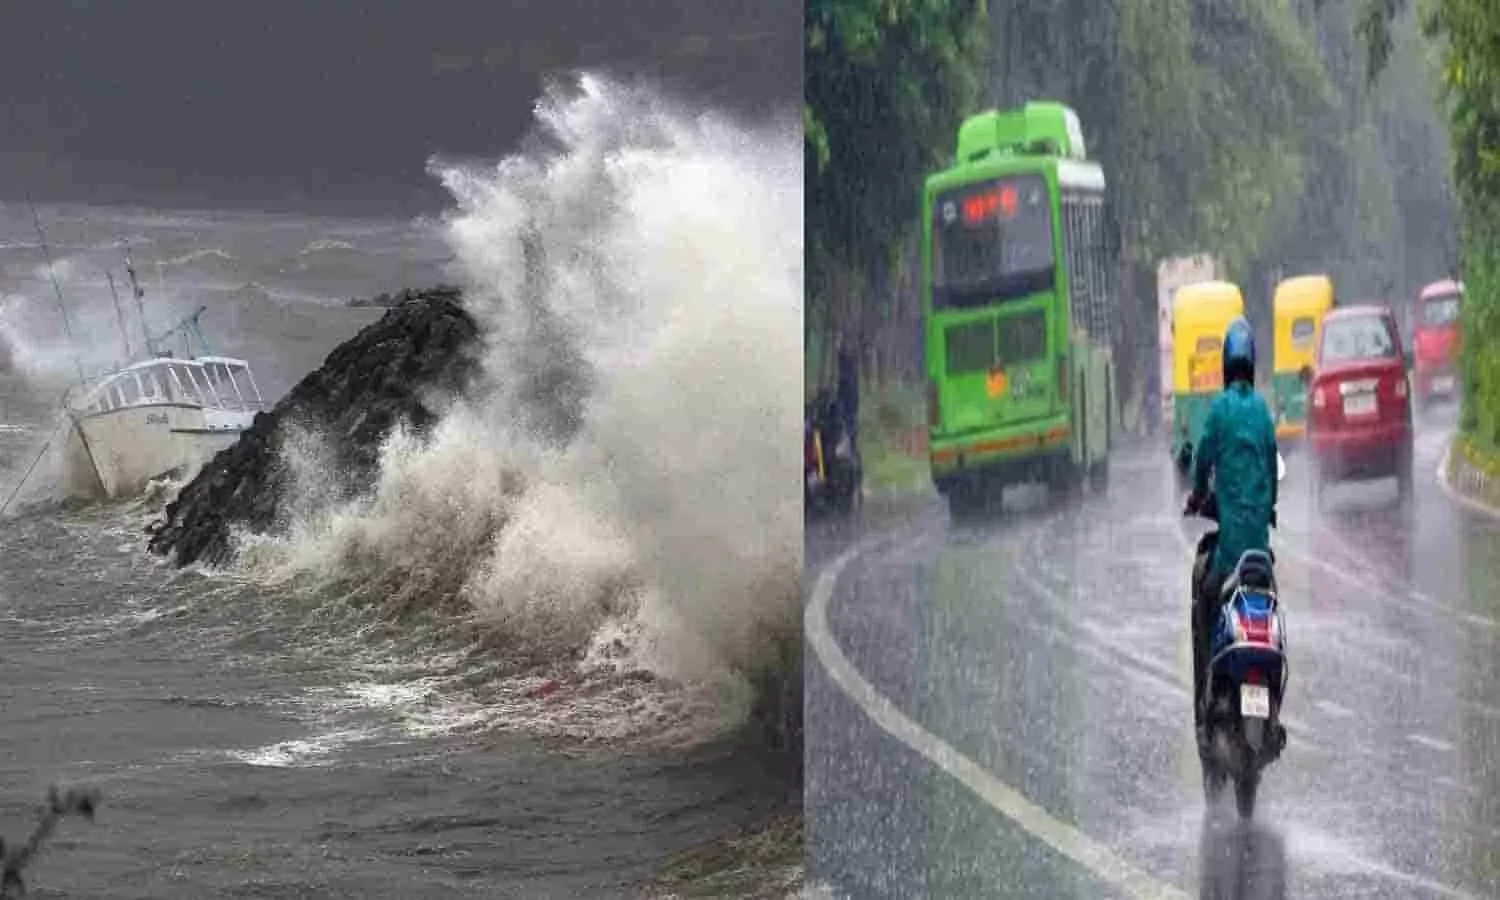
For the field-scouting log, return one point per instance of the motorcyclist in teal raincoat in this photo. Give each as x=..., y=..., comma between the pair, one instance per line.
x=1238, y=448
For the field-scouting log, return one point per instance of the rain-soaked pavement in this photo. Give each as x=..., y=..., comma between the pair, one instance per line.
x=1041, y=657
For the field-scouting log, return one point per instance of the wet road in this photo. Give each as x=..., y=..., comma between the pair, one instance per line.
x=1001, y=708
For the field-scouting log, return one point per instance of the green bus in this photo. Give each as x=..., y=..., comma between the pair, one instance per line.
x=1017, y=295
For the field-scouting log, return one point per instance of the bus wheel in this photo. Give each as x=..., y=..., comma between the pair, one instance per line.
x=1064, y=477
x=1099, y=475
x=967, y=500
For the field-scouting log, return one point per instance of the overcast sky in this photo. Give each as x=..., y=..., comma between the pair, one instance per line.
x=334, y=106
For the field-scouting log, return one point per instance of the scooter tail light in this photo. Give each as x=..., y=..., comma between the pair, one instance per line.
x=818, y=449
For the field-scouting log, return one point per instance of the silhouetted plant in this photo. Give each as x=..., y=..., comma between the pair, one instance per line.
x=73, y=801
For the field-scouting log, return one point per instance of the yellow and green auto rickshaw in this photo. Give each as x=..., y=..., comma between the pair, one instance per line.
x=1300, y=305
x=1201, y=313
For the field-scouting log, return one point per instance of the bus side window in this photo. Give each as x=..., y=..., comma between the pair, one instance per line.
x=1100, y=280
x=1088, y=264
x=1077, y=277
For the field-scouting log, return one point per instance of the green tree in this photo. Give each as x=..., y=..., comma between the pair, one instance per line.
x=886, y=83
x=1242, y=128
x=1468, y=32
x=1195, y=109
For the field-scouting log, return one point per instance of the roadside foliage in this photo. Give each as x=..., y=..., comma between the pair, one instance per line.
x=1466, y=34
x=1243, y=129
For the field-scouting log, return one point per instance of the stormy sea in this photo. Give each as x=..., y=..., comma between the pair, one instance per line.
x=558, y=706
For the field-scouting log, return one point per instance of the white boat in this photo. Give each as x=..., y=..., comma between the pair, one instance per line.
x=157, y=417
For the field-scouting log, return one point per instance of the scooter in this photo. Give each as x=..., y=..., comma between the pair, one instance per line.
x=831, y=468
x=1246, y=672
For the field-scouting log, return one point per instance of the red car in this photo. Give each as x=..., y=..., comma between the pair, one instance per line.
x=1360, y=413
x=1436, y=341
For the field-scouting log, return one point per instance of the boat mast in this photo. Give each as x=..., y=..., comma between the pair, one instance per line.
x=119, y=314
x=140, y=295
x=57, y=290
x=188, y=328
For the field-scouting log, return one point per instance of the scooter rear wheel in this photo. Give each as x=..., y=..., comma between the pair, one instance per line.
x=1244, y=794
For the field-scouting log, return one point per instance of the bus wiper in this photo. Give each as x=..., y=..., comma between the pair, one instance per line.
x=994, y=290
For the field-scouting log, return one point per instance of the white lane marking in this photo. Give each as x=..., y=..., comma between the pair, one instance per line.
x=1280, y=547
x=1007, y=801
x=1413, y=594
x=1375, y=867
x=999, y=796
x=1415, y=598
x=1091, y=640
x=1091, y=633
x=1476, y=619
x=1334, y=709
x=1306, y=734
x=1430, y=742
x=1358, y=556
x=1174, y=525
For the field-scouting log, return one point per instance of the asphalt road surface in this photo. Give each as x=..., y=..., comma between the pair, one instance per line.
x=1000, y=708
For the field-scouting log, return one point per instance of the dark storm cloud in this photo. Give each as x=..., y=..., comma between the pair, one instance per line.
x=335, y=106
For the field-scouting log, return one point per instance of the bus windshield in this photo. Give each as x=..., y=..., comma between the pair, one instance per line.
x=992, y=241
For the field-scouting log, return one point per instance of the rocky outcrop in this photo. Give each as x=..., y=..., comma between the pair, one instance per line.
x=387, y=374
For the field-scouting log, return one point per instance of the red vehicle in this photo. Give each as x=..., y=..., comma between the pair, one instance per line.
x=1436, y=341
x=1360, y=413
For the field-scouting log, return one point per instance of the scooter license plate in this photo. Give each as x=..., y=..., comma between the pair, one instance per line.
x=1255, y=701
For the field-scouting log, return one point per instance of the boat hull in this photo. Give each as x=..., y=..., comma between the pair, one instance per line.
x=116, y=453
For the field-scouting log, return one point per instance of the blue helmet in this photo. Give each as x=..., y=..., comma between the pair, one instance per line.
x=1239, y=352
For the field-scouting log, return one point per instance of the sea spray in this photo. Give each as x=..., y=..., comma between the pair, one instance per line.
x=624, y=493
x=32, y=325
